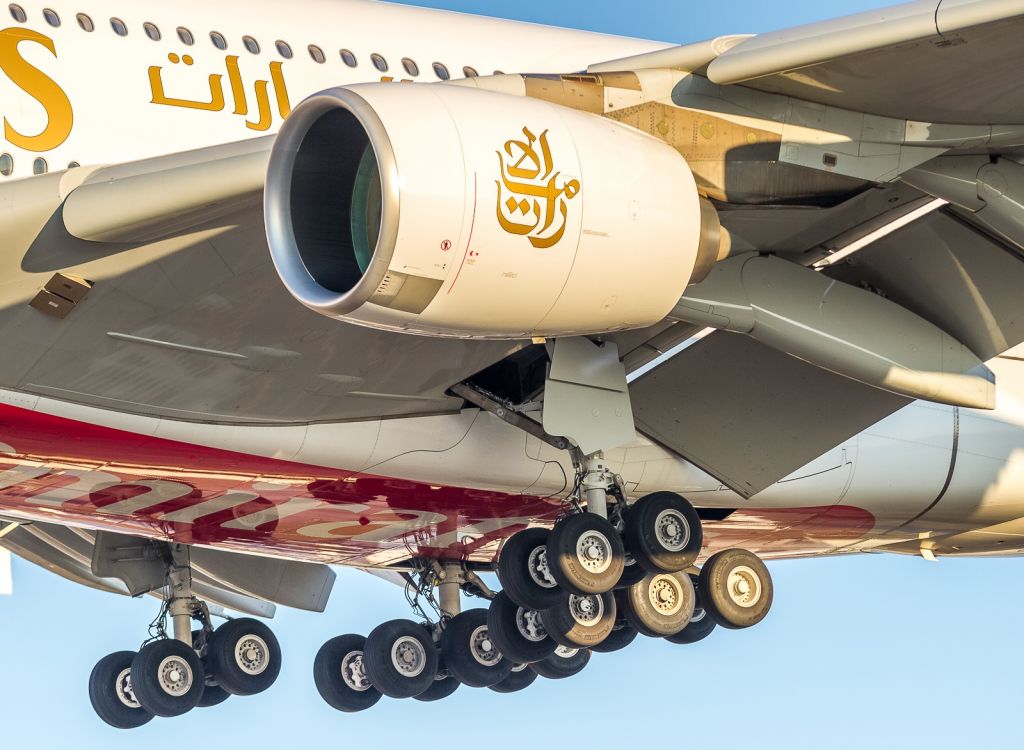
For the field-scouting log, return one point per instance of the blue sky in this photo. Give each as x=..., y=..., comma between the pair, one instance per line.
x=868, y=651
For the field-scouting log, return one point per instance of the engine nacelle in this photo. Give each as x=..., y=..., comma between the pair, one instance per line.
x=451, y=211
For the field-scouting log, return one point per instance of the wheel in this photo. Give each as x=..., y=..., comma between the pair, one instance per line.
x=632, y=571
x=581, y=621
x=565, y=662
x=585, y=554
x=167, y=677
x=470, y=653
x=111, y=694
x=340, y=675
x=244, y=656
x=622, y=633
x=701, y=623
x=518, y=631
x=663, y=532
x=213, y=695
x=520, y=679
x=442, y=688
x=523, y=570
x=400, y=658
x=736, y=589
x=659, y=605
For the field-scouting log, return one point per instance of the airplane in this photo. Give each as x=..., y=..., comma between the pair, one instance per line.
x=341, y=282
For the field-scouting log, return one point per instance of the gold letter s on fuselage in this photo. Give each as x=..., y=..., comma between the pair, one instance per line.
x=40, y=87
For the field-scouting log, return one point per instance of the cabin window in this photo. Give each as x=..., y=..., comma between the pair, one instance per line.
x=51, y=17
x=410, y=67
x=18, y=14
x=85, y=22
x=119, y=27
x=151, y=31
x=39, y=166
x=348, y=58
x=317, y=54
x=469, y=72
x=251, y=44
x=284, y=49
x=6, y=165
x=441, y=72
x=379, y=62
x=186, y=36
x=218, y=40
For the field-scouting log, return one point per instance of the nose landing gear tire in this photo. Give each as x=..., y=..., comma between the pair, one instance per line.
x=340, y=675
x=520, y=679
x=244, y=656
x=400, y=658
x=167, y=678
x=524, y=571
x=518, y=631
x=585, y=554
x=581, y=621
x=565, y=662
x=736, y=588
x=663, y=532
x=111, y=693
x=660, y=604
x=470, y=652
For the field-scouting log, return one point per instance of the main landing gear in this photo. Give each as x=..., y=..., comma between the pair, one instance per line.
x=171, y=675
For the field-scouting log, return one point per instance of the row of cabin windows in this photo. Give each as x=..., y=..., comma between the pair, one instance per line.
x=39, y=165
x=251, y=45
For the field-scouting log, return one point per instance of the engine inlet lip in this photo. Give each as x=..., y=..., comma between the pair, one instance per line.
x=284, y=249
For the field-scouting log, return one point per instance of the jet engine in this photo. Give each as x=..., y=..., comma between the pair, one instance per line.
x=450, y=211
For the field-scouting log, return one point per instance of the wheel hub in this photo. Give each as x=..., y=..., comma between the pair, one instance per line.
x=539, y=569
x=353, y=672
x=408, y=656
x=744, y=586
x=174, y=676
x=123, y=689
x=252, y=655
x=665, y=594
x=586, y=610
x=594, y=551
x=672, y=530
x=529, y=624
x=483, y=648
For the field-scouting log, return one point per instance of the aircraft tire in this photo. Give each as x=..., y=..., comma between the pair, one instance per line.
x=518, y=631
x=340, y=675
x=167, y=677
x=111, y=694
x=736, y=588
x=244, y=656
x=213, y=695
x=441, y=689
x=632, y=571
x=581, y=621
x=565, y=662
x=524, y=572
x=701, y=624
x=586, y=554
x=659, y=605
x=470, y=651
x=400, y=658
x=663, y=532
x=622, y=633
x=520, y=679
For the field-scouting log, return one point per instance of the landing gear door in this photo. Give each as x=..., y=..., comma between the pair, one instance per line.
x=586, y=397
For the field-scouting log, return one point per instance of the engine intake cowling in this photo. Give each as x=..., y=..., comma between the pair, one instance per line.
x=451, y=211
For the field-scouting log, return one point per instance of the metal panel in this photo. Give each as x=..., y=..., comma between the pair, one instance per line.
x=750, y=415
